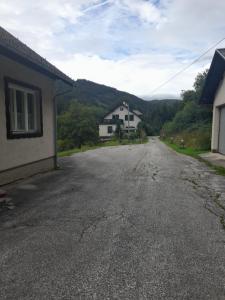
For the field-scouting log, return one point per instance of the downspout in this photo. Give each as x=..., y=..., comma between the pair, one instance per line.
x=55, y=124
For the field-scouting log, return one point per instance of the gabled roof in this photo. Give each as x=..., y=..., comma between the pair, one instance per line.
x=214, y=77
x=16, y=50
x=137, y=112
x=119, y=105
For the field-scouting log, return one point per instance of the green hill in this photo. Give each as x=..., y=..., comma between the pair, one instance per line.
x=104, y=98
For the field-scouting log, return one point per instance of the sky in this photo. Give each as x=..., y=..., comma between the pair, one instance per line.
x=132, y=45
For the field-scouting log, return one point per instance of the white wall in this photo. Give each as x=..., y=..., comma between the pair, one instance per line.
x=218, y=102
x=122, y=114
x=17, y=152
x=103, y=130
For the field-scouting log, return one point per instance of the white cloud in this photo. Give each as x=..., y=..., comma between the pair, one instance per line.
x=138, y=74
x=133, y=45
x=145, y=10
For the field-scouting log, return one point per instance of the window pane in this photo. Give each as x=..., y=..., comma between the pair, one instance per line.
x=20, y=110
x=109, y=129
x=12, y=110
x=31, y=111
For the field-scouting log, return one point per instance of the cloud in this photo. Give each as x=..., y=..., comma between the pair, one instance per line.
x=134, y=45
x=145, y=10
x=137, y=74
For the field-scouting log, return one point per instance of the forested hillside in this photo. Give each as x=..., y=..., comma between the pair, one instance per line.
x=90, y=93
x=80, y=111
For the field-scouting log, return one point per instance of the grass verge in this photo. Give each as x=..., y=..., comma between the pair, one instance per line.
x=187, y=150
x=100, y=145
x=196, y=154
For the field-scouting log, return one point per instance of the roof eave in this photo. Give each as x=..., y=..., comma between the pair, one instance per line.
x=14, y=56
x=215, y=75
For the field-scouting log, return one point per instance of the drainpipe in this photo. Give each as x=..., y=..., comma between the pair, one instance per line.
x=55, y=123
x=128, y=121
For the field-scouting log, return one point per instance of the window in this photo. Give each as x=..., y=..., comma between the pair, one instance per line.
x=115, y=116
x=131, y=117
x=23, y=110
x=121, y=108
x=110, y=130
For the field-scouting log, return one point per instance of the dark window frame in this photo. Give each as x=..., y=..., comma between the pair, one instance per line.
x=19, y=135
x=115, y=116
x=131, y=117
x=111, y=129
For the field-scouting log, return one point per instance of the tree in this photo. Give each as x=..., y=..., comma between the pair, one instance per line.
x=192, y=119
x=78, y=126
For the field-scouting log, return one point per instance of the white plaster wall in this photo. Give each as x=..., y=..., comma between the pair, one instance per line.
x=22, y=151
x=103, y=130
x=122, y=114
x=218, y=102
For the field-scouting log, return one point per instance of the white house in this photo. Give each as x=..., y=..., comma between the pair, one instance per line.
x=128, y=119
x=27, y=110
x=214, y=94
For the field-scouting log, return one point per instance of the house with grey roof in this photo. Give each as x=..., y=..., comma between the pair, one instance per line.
x=214, y=94
x=127, y=118
x=27, y=110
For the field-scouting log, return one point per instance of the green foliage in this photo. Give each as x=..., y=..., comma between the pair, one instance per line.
x=192, y=122
x=77, y=126
x=104, y=98
x=158, y=113
x=186, y=150
x=118, y=132
x=78, y=120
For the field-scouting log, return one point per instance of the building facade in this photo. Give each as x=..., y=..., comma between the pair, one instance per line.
x=214, y=95
x=128, y=120
x=27, y=110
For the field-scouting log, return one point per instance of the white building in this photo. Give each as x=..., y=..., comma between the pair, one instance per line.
x=214, y=94
x=119, y=115
x=27, y=110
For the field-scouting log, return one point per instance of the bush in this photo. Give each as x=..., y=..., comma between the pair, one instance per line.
x=63, y=145
x=199, y=139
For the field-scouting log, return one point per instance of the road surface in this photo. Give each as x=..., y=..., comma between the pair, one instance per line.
x=128, y=222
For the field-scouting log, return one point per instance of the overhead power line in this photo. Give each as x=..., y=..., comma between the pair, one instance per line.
x=187, y=67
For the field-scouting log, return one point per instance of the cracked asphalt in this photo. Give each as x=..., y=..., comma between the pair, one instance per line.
x=128, y=222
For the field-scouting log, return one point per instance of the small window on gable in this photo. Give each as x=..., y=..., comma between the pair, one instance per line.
x=121, y=108
x=23, y=110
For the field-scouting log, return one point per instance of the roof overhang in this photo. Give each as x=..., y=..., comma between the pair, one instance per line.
x=24, y=61
x=213, y=79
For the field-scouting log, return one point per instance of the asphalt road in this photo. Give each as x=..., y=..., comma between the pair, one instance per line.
x=129, y=222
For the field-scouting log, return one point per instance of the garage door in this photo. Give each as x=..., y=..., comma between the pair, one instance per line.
x=222, y=131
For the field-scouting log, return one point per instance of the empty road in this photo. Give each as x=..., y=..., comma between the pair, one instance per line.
x=128, y=222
